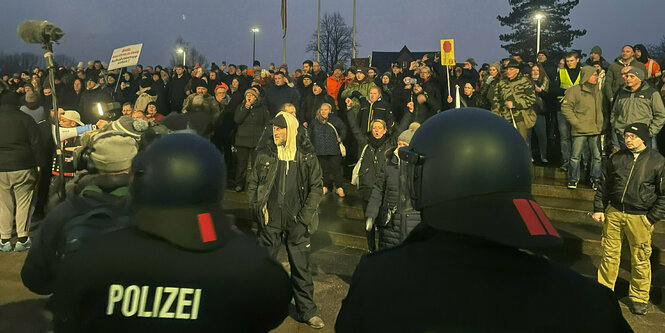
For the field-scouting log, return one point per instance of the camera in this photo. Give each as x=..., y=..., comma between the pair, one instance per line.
x=411, y=81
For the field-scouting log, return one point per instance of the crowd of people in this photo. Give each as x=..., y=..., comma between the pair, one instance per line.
x=289, y=139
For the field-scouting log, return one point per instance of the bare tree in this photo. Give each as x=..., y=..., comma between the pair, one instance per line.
x=193, y=56
x=65, y=60
x=17, y=62
x=336, y=41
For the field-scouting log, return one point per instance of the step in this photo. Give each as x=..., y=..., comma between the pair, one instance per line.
x=557, y=188
x=549, y=172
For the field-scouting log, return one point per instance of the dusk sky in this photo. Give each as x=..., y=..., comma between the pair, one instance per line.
x=220, y=30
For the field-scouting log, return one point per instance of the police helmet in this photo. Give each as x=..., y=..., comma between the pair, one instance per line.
x=471, y=174
x=177, y=189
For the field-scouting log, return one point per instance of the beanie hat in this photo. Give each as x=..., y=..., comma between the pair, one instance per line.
x=637, y=72
x=597, y=50
x=361, y=70
x=222, y=85
x=256, y=63
x=31, y=97
x=127, y=125
x=252, y=91
x=199, y=83
x=512, y=63
x=408, y=134
x=113, y=153
x=338, y=66
x=639, y=129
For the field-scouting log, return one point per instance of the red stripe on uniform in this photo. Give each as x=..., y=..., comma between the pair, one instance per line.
x=206, y=228
x=543, y=219
x=529, y=217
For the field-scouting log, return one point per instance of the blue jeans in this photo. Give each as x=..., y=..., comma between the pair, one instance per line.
x=541, y=132
x=593, y=142
x=564, y=136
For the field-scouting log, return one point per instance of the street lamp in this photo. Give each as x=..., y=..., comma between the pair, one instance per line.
x=254, y=31
x=184, y=56
x=538, y=18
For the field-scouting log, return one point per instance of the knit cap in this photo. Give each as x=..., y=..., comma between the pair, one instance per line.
x=407, y=135
x=639, y=129
x=637, y=72
x=597, y=50
x=113, y=153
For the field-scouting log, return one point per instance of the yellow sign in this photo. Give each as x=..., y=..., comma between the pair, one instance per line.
x=448, y=52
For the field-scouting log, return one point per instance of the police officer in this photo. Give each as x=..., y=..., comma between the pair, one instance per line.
x=462, y=269
x=183, y=268
x=284, y=191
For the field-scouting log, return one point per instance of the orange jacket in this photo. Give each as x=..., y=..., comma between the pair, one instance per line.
x=332, y=87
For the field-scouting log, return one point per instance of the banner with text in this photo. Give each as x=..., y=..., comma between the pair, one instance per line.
x=448, y=52
x=125, y=56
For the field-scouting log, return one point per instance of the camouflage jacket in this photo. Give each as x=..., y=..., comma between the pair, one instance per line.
x=518, y=90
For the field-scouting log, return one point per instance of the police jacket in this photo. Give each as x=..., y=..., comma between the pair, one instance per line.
x=641, y=106
x=309, y=178
x=390, y=204
x=48, y=247
x=405, y=286
x=633, y=185
x=132, y=281
x=374, y=158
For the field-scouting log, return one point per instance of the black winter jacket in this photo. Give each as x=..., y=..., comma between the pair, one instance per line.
x=251, y=123
x=88, y=104
x=633, y=185
x=311, y=105
x=276, y=96
x=323, y=135
x=374, y=159
x=378, y=110
x=19, y=140
x=390, y=204
x=41, y=265
x=310, y=181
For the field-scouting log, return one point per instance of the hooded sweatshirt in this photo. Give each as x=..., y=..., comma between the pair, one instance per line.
x=284, y=195
x=583, y=104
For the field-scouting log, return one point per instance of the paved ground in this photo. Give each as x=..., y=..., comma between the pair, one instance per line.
x=22, y=311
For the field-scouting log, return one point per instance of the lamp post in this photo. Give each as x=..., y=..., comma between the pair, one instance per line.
x=254, y=31
x=538, y=18
x=184, y=56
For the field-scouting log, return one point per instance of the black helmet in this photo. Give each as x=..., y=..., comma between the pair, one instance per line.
x=177, y=190
x=472, y=175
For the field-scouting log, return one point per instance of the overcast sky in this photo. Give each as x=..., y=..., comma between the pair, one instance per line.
x=220, y=30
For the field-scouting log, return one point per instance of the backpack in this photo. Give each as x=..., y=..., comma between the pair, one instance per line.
x=104, y=218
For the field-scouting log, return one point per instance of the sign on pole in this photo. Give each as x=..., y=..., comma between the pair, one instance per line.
x=447, y=52
x=125, y=56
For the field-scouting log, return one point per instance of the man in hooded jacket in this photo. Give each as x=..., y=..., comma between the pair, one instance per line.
x=583, y=108
x=284, y=191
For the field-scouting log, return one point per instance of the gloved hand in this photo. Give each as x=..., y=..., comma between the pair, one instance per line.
x=357, y=94
x=369, y=224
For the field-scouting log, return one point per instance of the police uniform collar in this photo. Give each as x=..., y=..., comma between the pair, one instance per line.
x=195, y=228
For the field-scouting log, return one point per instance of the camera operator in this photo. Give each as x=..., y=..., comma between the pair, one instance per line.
x=107, y=159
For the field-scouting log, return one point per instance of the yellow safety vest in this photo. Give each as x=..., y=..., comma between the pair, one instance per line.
x=565, y=80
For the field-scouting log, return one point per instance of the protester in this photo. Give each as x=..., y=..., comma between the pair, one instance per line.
x=326, y=132
x=312, y=103
x=251, y=117
x=652, y=67
x=19, y=155
x=514, y=98
x=356, y=90
x=389, y=205
x=284, y=193
x=631, y=206
x=541, y=84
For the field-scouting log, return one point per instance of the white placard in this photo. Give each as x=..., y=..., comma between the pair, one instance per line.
x=125, y=56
